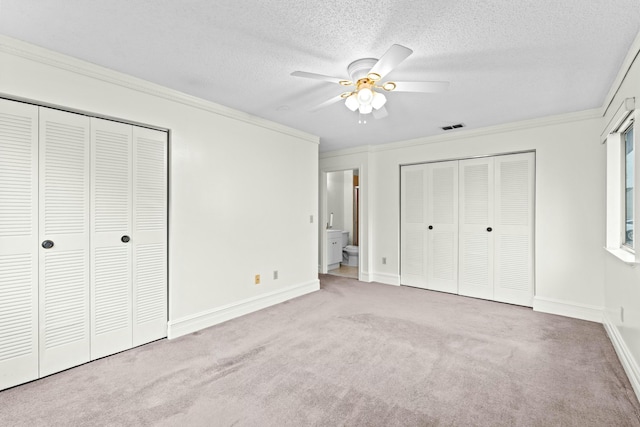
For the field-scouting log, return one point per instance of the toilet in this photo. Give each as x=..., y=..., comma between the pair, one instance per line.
x=349, y=252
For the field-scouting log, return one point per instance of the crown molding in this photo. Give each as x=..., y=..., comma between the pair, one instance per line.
x=48, y=57
x=361, y=149
x=471, y=133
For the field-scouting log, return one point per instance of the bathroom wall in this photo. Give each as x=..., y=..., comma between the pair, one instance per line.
x=340, y=200
x=347, y=213
x=335, y=198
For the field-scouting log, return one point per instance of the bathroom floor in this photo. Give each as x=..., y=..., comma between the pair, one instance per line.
x=345, y=271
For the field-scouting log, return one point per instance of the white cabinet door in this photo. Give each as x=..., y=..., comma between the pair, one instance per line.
x=413, y=226
x=18, y=243
x=514, y=187
x=476, y=193
x=334, y=246
x=111, y=220
x=149, y=239
x=64, y=220
x=442, y=231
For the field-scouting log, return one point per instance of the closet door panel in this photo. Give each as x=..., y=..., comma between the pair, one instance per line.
x=442, y=231
x=476, y=193
x=64, y=220
x=149, y=240
x=413, y=251
x=514, y=187
x=18, y=243
x=111, y=207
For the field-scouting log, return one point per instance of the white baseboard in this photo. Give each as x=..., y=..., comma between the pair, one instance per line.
x=195, y=322
x=385, y=278
x=568, y=309
x=624, y=354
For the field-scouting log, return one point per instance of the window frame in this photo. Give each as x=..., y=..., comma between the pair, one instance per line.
x=615, y=226
x=625, y=127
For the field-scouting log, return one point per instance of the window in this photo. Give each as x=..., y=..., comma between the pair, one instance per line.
x=627, y=141
x=623, y=205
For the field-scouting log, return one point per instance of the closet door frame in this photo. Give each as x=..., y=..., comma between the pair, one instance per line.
x=65, y=354
x=522, y=301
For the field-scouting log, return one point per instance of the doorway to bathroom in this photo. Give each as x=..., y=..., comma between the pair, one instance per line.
x=342, y=227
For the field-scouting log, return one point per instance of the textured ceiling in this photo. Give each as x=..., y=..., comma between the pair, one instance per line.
x=506, y=60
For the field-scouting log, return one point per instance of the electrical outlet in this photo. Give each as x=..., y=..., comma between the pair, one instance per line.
x=622, y=314
x=311, y=219
x=384, y=260
x=257, y=279
x=275, y=274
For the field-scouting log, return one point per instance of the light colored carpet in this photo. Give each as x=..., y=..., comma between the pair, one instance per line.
x=354, y=354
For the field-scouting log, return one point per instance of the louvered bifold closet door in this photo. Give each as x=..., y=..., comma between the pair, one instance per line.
x=413, y=225
x=64, y=221
x=111, y=251
x=476, y=195
x=442, y=231
x=149, y=238
x=18, y=243
x=514, y=187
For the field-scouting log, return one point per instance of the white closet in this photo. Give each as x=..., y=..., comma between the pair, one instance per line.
x=82, y=239
x=467, y=227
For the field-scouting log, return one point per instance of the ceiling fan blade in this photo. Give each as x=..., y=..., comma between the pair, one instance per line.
x=390, y=60
x=380, y=113
x=318, y=77
x=327, y=103
x=428, y=87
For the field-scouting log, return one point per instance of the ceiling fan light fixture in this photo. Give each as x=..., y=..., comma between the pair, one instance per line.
x=374, y=77
x=365, y=96
x=378, y=100
x=352, y=102
x=345, y=82
x=389, y=86
x=365, y=108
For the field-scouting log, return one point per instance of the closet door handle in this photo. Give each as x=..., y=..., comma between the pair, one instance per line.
x=431, y=227
x=47, y=244
x=125, y=238
x=489, y=229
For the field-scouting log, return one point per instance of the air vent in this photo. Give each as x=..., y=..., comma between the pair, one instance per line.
x=458, y=126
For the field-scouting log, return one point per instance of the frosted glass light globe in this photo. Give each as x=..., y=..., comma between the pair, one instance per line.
x=365, y=96
x=365, y=108
x=352, y=102
x=378, y=100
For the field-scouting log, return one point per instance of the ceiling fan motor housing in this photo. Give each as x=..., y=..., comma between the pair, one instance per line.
x=359, y=68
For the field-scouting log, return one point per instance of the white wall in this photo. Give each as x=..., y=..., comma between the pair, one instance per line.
x=242, y=189
x=622, y=281
x=569, y=259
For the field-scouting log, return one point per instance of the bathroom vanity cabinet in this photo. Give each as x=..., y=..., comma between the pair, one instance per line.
x=334, y=248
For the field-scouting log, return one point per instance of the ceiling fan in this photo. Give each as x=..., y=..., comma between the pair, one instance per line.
x=367, y=75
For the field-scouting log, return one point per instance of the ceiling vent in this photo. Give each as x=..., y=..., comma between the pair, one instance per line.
x=458, y=126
